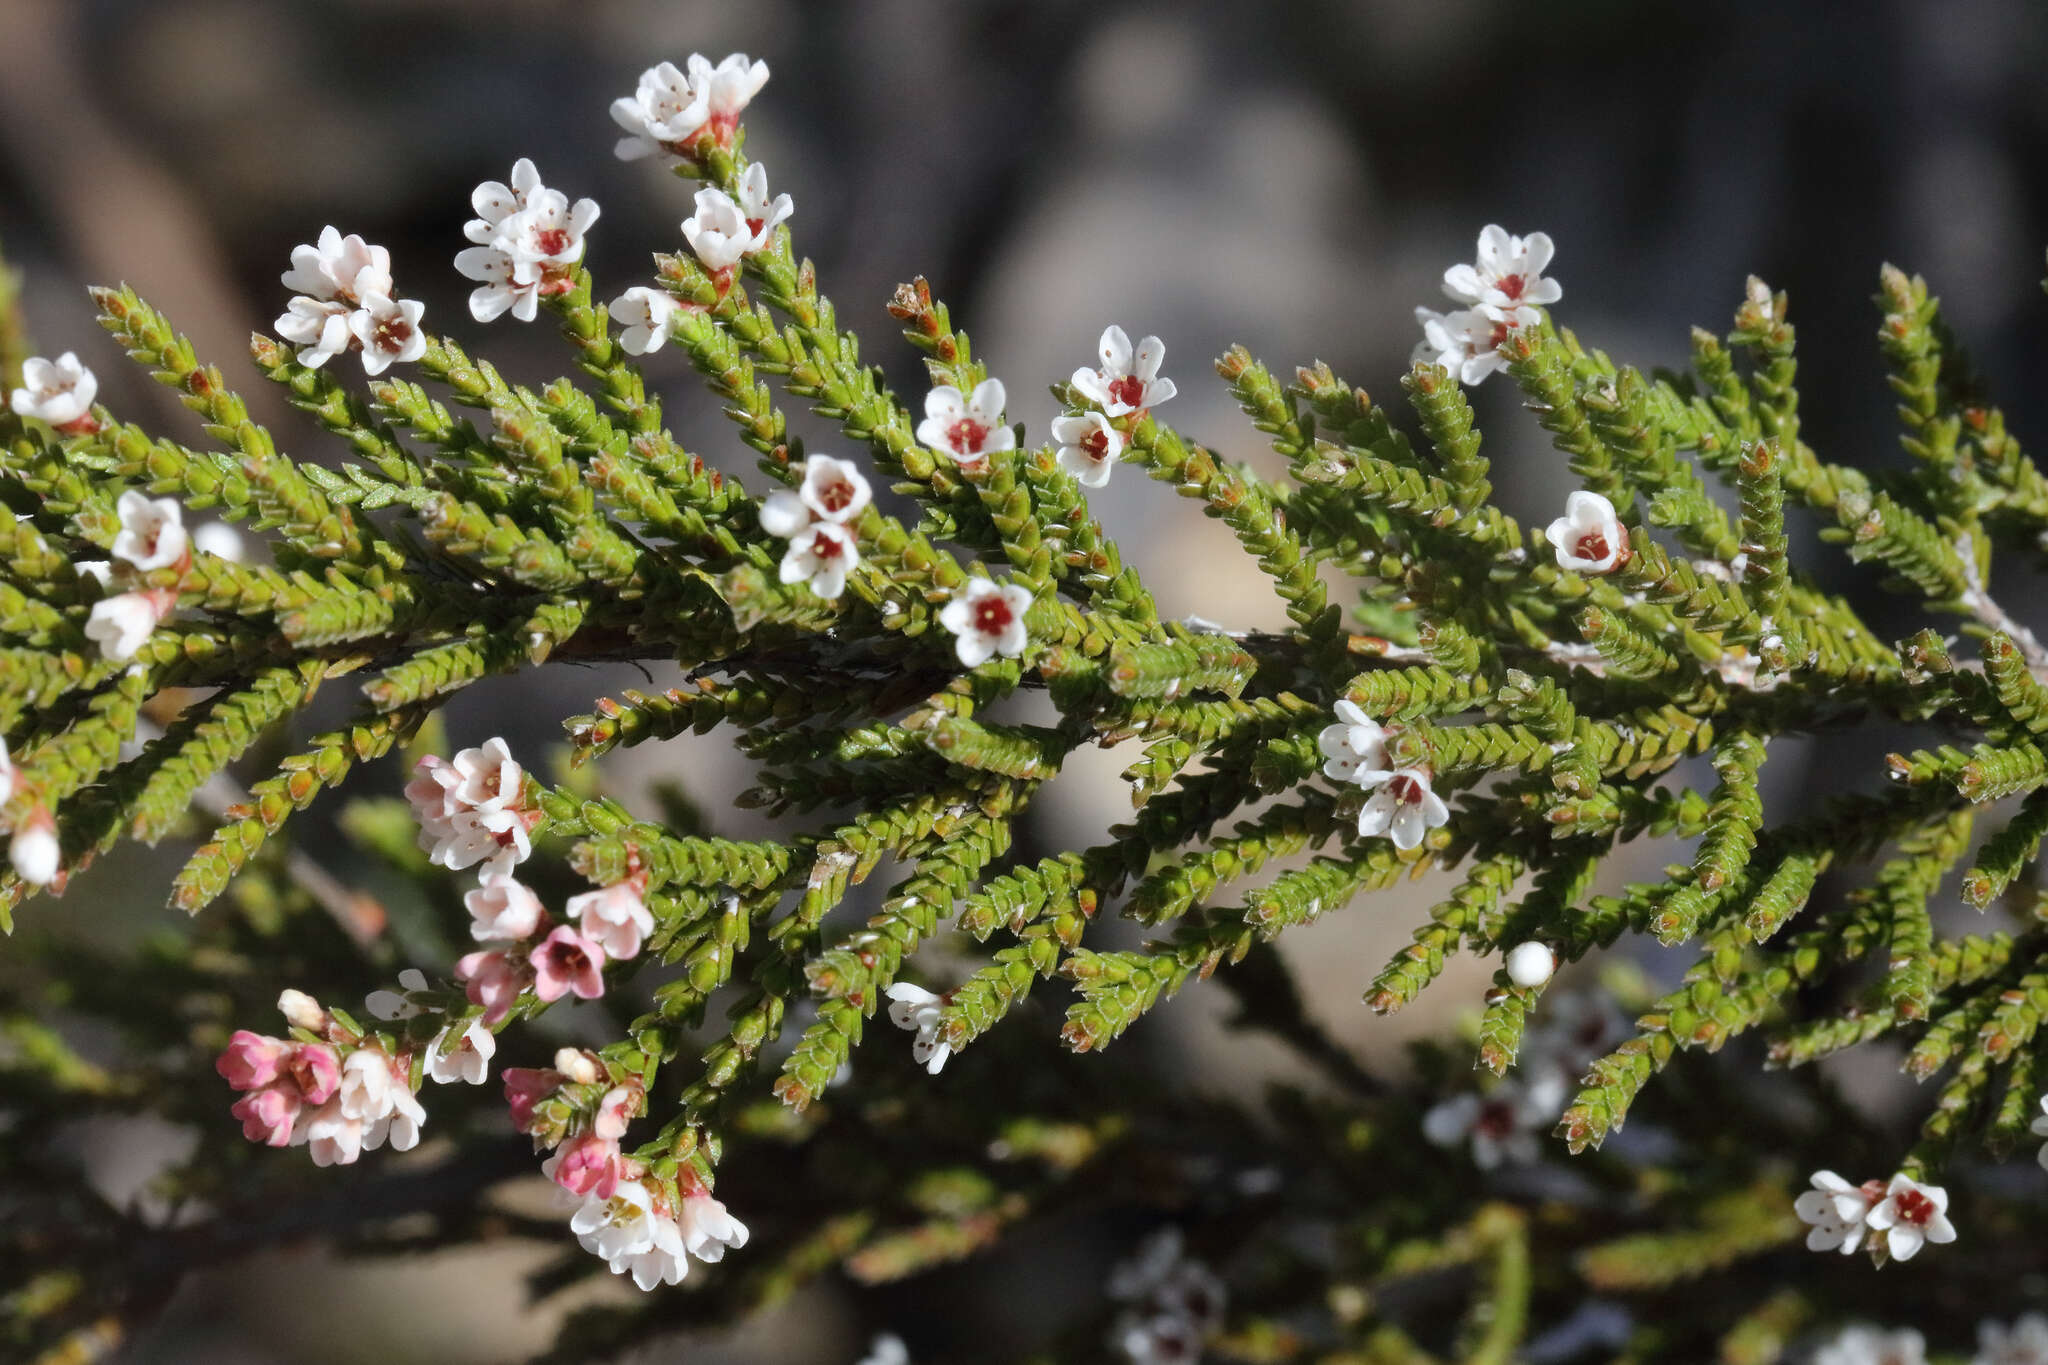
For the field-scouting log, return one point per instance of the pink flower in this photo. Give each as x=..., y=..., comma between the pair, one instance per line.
x=493, y=981
x=588, y=1164
x=251, y=1060
x=503, y=908
x=615, y=918
x=316, y=1071
x=526, y=1087
x=268, y=1114
x=566, y=961
x=614, y=1112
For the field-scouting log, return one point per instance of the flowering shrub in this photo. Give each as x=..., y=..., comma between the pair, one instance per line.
x=1514, y=706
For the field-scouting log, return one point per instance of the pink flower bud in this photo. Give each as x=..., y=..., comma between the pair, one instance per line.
x=316, y=1071
x=588, y=1164
x=267, y=1115
x=526, y=1087
x=615, y=918
x=493, y=981
x=251, y=1060
x=614, y=1112
x=566, y=961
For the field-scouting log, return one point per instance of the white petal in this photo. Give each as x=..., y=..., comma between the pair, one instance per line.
x=1115, y=350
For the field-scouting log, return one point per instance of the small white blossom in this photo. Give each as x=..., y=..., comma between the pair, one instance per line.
x=2023, y=1343
x=718, y=231
x=1356, y=745
x=916, y=1009
x=1509, y=273
x=783, y=513
x=988, y=619
x=1404, y=808
x=470, y=1060
x=6, y=773
x=34, y=851
x=152, y=534
x=1910, y=1215
x=886, y=1349
x=400, y=1126
x=1589, y=538
x=821, y=555
x=503, y=908
x=488, y=778
x=366, y=1085
x=664, y=113
x=319, y=330
x=333, y=270
x=1837, y=1211
x=1530, y=964
x=646, y=316
x=58, y=391
x=1468, y=342
x=331, y=1137
x=968, y=428
x=220, y=540
x=1089, y=446
x=389, y=330
x=728, y=88
x=708, y=1230
x=2039, y=1128
x=833, y=489
x=762, y=213
x=499, y=289
x=121, y=624
x=1128, y=380
x=623, y=1230
x=615, y=918
x=1870, y=1346
x=389, y=1005
x=1502, y=1125
x=528, y=237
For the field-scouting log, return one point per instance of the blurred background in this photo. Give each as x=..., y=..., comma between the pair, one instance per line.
x=1293, y=176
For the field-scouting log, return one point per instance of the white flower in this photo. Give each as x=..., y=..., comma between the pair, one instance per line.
x=1501, y=1124
x=728, y=88
x=916, y=1009
x=833, y=489
x=1354, y=746
x=1530, y=964
x=617, y=1228
x=496, y=839
x=969, y=429
x=762, y=213
x=390, y=1005
x=338, y=269
x=6, y=773
x=331, y=1137
x=708, y=1230
x=616, y=918
x=366, y=1086
x=152, y=534
x=1589, y=537
x=527, y=254
x=1089, y=446
x=122, y=623
x=1128, y=381
x=1467, y=343
x=58, y=391
x=1509, y=273
x=1404, y=808
x=389, y=330
x=783, y=513
x=317, y=327
x=495, y=202
x=400, y=1125
x=502, y=908
x=647, y=317
x=886, y=1349
x=488, y=778
x=2023, y=1343
x=1911, y=1214
x=988, y=618
x=664, y=113
x=500, y=289
x=718, y=231
x=1869, y=1346
x=220, y=540
x=34, y=851
x=1837, y=1211
x=821, y=554
x=469, y=1061
x=2039, y=1128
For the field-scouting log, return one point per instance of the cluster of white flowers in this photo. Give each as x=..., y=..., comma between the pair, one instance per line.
x=1907, y=1213
x=1176, y=1302
x=723, y=230
x=1503, y=1125
x=59, y=392
x=1499, y=293
x=817, y=520
x=528, y=241
x=1402, y=805
x=2023, y=1343
x=343, y=299
x=634, y=1231
x=678, y=112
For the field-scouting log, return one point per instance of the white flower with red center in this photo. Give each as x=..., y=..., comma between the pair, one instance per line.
x=1530, y=964
x=152, y=534
x=487, y=777
x=616, y=918
x=34, y=851
x=1468, y=342
x=388, y=330
x=988, y=619
x=1404, y=808
x=1509, y=273
x=58, y=391
x=708, y=1230
x=468, y=1060
x=646, y=319
x=1837, y=1211
x=1871, y=1346
x=120, y=625
x=529, y=239
x=719, y=231
x=1354, y=746
x=1089, y=446
x=1501, y=1125
x=728, y=89
x=503, y=908
x=499, y=840
x=821, y=555
x=2023, y=1343
x=319, y=330
x=916, y=1010
x=968, y=428
x=662, y=115
x=1589, y=538
x=833, y=489
x=1128, y=380
x=763, y=213
x=1910, y=1215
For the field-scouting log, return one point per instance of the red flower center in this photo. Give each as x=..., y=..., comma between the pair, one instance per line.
x=552, y=241
x=1128, y=390
x=754, y=226
x=1593, y=545
x=392, y=333
x=837, y=495
x=1497, y=336
x=1513, y=285
x=1405, y=788
x=992, y=615
x=1095, y=445
x=1915, y=1207
x=966, y=436
x=1496, y=1120
x=827, y=546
